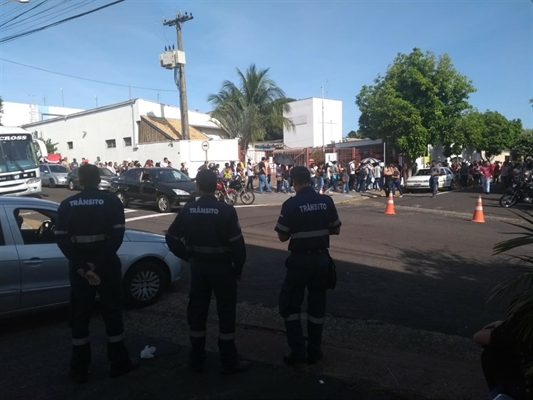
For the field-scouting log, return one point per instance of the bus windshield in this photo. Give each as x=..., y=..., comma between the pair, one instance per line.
x=17, y=153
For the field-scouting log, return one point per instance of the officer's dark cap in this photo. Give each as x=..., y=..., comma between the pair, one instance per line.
x=89, y=175
x=300, y=174
x=207, y=180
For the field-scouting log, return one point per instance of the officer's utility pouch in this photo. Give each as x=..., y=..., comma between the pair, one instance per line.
x=332, y=274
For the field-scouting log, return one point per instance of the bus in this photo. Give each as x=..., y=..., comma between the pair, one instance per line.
x=19, y=162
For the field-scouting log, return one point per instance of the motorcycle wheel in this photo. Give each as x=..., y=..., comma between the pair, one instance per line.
x=508, y=200
x=247, y=197
x=230, y=197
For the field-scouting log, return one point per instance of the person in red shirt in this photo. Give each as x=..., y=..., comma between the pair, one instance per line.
x=496, y=172
x=486, y=176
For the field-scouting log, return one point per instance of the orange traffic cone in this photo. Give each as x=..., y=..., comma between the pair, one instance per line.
x=478, y=214
x=390, y=205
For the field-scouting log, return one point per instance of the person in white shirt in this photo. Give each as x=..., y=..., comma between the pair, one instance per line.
x=110, y=167
x=250, y=175
x=352, y=165
x=164, y=163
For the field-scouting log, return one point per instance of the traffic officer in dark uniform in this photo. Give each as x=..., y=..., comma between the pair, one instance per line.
x=208, y=235
x=307, y=219
x=89, y=231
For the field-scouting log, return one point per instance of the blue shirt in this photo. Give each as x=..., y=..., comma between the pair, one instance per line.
x=308, y=218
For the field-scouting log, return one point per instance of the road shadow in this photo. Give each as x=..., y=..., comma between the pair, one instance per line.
x=436, y=291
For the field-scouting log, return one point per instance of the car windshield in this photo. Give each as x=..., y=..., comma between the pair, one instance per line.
x=423, y=172
x=105, y=172
x=58, y=169
x=169, y=175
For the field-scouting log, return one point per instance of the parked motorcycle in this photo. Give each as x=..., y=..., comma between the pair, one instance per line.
x=237, y=186
x=224, y=193
x=521, y=192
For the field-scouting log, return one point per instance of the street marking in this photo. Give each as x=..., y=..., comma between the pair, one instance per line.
x=147, y=216
x=251, y=205
x=129, y=210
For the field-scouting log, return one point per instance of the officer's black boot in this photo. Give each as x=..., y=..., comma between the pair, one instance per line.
x=229, y=361
x=121, y=363
x=79, y=363
x=197, y=355
x=295, y=338
x=314, y=346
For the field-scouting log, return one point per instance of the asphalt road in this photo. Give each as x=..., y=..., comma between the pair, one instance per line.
x=427, y=267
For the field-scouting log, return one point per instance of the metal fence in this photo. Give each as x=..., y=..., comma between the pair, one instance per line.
x=306, y=156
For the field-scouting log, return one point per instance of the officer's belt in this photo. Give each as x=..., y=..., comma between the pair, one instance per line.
x=208, y=249
x=88, y=238
x=312, y=251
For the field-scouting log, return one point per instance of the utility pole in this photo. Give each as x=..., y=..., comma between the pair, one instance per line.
x=178, y=22
x=323, y=137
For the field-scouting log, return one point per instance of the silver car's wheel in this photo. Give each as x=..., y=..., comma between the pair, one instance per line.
x=144, y=283
x=52, y=183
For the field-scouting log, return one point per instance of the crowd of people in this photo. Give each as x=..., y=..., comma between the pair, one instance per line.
x=118, y=168
x=334, y=176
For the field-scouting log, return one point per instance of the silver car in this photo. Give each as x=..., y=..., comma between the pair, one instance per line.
x=53, y=175
x=34, y=272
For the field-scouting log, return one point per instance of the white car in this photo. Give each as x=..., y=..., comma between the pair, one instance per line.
x=420, y=181
x=34, y=273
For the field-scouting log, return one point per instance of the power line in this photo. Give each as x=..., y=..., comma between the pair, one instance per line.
x=25, y=12
x=86, y=79
x=45, y=14
x=17, y=36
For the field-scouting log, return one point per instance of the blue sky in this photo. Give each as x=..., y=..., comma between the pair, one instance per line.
x=304, y=43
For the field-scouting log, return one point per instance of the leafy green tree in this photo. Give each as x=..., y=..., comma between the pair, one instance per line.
x=471, y=129
x=355, y=135
x=499, y=133
x=50, y=147
x=246, y=110
x=418, y=102
x=523, y=147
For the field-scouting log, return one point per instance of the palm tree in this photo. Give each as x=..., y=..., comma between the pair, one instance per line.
x=520, y=288
x=245, y=111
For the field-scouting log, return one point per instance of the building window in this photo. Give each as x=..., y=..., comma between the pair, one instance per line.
x=111, y=143
x=70, y=145
x=127, y=141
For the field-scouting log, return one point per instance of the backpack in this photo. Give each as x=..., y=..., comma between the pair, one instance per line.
x=257, y=170
x=363, y=172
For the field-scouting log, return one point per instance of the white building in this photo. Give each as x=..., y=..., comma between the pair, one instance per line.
x=18, y=114
x=317, y=122
x=136, y=130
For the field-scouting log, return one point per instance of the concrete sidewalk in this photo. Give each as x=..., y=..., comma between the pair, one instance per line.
x=273, y=198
